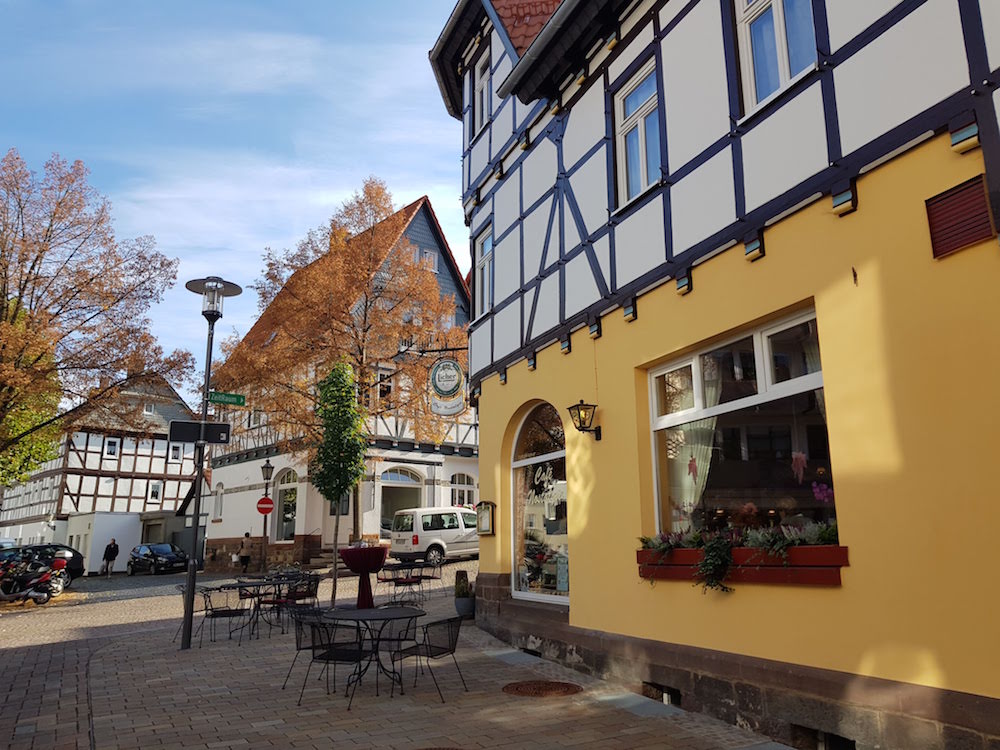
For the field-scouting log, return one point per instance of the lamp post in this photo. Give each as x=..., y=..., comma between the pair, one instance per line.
x=266, y=471
x=213, y=291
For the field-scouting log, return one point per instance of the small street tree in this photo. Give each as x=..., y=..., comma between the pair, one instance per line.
x=73, y=308
x=339, y=460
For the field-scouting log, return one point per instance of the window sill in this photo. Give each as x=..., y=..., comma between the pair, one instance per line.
x=782, y=93
x=639, y=198
x=817, y=565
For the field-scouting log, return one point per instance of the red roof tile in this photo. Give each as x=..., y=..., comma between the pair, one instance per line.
x=524, y=19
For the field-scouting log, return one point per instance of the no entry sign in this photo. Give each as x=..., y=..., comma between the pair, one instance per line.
x=265, y=505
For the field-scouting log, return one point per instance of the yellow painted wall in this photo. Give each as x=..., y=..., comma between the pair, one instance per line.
x=911, y=366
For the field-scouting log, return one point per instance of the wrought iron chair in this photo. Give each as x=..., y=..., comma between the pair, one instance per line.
x=333, y=643
x=199, y=606
x=301, y=618
x=226, y=605
x=439, y=639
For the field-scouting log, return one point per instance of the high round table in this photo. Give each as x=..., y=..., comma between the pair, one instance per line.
x=364, y=561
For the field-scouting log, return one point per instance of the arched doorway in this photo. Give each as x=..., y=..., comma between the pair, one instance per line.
x=401, y=488
x=541, y=539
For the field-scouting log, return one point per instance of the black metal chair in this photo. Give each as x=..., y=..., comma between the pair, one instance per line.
x=302, y=617
x=226, y=605
x=439, y=639
x=333, y=643
x=393, y=637
x=199, y=606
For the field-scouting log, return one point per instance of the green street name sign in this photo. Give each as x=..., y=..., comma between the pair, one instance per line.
x=231, y=399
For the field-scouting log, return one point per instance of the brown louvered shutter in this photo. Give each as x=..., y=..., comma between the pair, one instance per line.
x=960, y=217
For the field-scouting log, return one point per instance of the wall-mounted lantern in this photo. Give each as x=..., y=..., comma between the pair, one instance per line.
x=583, y=418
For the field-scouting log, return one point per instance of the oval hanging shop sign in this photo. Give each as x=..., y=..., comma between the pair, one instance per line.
x=447, y=382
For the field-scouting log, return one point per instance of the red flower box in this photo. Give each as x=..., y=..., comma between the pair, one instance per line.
x=817, y=565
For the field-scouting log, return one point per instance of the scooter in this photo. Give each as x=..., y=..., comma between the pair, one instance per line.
x=20, y=583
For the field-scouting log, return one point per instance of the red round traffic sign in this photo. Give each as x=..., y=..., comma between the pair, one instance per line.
x=265, y=505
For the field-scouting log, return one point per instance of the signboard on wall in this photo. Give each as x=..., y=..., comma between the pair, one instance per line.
x=447, y=381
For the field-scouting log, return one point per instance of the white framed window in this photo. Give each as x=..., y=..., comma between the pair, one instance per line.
x=220, y=494
x=147, y=408
x=739, y=432
x=111, y=447
x=777, y=40
x=176, y=453
x=484, y=271
x=155, y=491
x=463, y=489
x=430, y=258
x=637, y=133
x=256, y=418
x=480, y=94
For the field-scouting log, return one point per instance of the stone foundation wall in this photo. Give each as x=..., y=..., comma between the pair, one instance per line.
x=788, y=702
x=219, y=553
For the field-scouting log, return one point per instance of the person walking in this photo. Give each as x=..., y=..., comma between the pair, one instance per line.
x=110, y=555
x=244, y=552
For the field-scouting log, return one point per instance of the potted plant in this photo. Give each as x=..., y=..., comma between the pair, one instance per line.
x=465, y=594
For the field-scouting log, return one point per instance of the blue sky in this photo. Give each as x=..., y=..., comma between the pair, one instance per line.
x=224, y=127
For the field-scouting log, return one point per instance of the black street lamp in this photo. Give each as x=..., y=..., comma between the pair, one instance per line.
x=212, y=290
x=266, y=471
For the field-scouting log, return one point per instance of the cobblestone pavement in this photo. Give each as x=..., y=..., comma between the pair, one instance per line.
x=105, y=674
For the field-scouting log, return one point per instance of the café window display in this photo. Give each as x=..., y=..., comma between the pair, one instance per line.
x=541, y=541
x=740, y=433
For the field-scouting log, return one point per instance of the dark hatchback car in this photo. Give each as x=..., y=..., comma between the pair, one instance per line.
x=46, y=553
x=156, y=558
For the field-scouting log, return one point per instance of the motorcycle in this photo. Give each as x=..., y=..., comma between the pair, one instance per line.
x=24, y=580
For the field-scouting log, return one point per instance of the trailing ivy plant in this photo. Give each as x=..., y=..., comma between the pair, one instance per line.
x=711, y=572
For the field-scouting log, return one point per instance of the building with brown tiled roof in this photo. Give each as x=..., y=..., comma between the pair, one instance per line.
x=402, y=472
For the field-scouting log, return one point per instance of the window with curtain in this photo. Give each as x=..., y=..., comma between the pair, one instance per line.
x=540, y=504
x=740, y=432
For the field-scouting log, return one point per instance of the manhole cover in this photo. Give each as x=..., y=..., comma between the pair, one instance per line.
x=541, y=688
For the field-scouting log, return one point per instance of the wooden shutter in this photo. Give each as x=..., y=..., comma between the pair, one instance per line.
x=960, y=217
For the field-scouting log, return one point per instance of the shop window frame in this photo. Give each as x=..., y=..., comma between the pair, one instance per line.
x=767, y=389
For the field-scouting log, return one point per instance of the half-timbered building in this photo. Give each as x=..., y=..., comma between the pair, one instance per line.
x=117, y=459
x=753, y=236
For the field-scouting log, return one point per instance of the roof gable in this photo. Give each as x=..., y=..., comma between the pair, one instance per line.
x=524, y=19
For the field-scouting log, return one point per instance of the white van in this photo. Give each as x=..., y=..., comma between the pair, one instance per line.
x=434, y=533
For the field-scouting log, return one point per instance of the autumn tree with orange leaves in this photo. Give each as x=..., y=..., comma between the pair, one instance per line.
x=352, y=290
x=73, y=305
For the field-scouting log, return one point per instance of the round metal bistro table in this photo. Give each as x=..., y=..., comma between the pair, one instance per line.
x=374, y=620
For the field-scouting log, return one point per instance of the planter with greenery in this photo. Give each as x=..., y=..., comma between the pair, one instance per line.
x=781, y=554
x=465, y=594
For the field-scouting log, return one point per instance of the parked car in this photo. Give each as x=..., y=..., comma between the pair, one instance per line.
x=7, y=542
x=434, y=534
x=156, y=558
x=46, y=553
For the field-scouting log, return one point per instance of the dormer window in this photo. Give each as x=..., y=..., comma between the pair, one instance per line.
x=481, y=93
